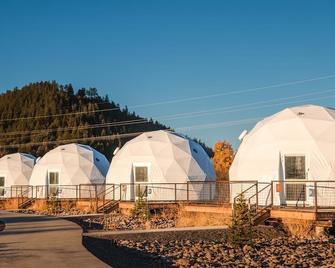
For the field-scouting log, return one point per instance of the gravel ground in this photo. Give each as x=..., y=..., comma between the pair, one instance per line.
x=117, y=221
x=208, y=248
x=279, y=252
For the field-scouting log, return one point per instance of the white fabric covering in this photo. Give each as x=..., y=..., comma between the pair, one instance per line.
x=307, y=130
x=76, y=164
x=169, y=157
x=16, y=168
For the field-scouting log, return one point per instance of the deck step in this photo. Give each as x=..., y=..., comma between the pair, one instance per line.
x=108, y=206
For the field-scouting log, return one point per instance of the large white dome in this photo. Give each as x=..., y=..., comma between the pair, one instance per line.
x=305, y=131
x=16, y=169
x=75, y=163
x=170, y=158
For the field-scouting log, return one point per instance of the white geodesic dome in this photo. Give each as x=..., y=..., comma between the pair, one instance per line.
x=75, y=163
x=169, y=158
x=307, y=131
x=16, y=170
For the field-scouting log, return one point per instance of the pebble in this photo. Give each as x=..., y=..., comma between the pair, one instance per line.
x=265, y=252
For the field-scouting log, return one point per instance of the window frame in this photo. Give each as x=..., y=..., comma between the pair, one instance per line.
x=139, y=165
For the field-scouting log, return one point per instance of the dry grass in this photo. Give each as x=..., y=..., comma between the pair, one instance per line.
x=191, y=219
x=300, y=228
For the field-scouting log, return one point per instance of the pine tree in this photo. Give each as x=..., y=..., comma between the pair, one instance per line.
x=241, y=229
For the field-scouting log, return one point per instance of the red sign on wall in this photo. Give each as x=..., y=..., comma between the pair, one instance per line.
x=279, y=188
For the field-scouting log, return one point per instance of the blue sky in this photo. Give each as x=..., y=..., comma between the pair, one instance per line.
x=144, y=52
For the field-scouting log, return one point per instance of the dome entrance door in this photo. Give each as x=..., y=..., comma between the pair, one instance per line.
x=2, y=186
x=295, y=171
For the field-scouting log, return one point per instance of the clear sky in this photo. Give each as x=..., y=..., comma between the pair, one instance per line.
x=145, y=52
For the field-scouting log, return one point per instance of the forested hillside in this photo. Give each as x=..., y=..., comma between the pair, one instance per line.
x=37, y=114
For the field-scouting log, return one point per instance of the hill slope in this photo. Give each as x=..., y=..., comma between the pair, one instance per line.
x=38, y=101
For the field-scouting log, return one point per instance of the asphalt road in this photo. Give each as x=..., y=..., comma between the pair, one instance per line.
x=41, y=241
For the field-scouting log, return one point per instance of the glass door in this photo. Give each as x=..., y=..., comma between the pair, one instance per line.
x=53, y=184
x=141, y=176
x=295, y=170
x=2, y=186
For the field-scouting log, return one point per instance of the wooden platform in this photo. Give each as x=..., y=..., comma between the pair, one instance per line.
x=303, y=213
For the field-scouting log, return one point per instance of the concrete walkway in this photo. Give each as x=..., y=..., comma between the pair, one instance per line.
x=175, y=229
x=41, y=241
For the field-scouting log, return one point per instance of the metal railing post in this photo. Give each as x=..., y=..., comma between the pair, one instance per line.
x=175, y=192
x=210, y=191
x=256, y=195
x=187, y=191
x=272, y=202
x=315, y=196
x=96, y=197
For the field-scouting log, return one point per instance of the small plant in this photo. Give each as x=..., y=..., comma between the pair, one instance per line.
x=241, y=229
x=141, y=208
x=53, y=205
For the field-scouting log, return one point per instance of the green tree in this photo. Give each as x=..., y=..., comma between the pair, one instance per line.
x=240, y=232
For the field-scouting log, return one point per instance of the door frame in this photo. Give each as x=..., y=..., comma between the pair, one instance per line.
x=136, y=184
x=4, y=186
x=283, y=162
x=48, y=181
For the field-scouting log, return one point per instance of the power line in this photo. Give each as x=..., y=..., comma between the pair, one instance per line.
x=126, y=135
x=220, y=124
x=58, y=115
x=102, y=125
x=177, y=100
x=248, y=90
x=234, y=107
x=106, y=137
x=178, y=116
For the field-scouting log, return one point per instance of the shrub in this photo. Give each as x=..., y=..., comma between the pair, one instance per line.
x=141, y=208
x=241, y=229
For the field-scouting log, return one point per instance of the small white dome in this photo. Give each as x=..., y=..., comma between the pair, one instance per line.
x=170, y=158
x=16, y=168
x=75, y=163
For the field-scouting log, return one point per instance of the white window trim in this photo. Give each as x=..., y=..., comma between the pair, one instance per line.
x=307, y=165
x=307, y=158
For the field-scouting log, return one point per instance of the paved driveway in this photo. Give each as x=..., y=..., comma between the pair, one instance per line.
x=41, y=241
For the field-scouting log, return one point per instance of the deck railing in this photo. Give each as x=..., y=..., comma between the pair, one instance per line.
x=295, y=194
x=304, y=194
x=197, y=192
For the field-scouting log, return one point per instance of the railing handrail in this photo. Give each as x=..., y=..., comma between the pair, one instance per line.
x=243, y=192
x=257, y=193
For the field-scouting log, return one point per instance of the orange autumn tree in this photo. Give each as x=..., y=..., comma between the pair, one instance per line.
x=222, y=159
